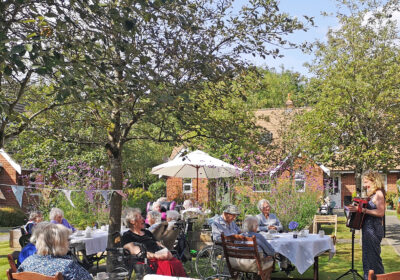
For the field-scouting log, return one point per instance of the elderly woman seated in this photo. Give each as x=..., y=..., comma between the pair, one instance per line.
x=172, y=217
x=57, y=217
x=159, y=257
x=250, y=229
x=51, y=257
x=153, y=220
x=35, y=217
x=267, y=220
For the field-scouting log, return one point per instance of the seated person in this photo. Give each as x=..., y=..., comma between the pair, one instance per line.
x=267, y=220
x=51, y=257
x=34, y=218
x=189, y=210
x=57, y=217
x=157, y=207
x=172, y=217
x=250, y=229
x=30, y=248
x=159, y=257
x=153, y=220
x=225, y=223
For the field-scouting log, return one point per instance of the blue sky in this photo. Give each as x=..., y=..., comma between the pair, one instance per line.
x=294, y=59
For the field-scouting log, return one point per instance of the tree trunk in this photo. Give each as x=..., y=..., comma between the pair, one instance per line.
x=114, y=151
x=115, y=203
x=358, y=177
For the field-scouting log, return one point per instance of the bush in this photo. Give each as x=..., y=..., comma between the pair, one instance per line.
x=290, y=205
x=391, y=199
x=138, y=198
x=11, y=216
x=158, y=189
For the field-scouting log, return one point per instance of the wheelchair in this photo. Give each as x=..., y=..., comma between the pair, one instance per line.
x=125, y=263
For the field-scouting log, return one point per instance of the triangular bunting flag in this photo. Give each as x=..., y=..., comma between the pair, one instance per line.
x=2, y=195
x=89, y=195
x=46, y=195
x=18, y=192
x=106, y=195
x=68, y=195
x=121, y=193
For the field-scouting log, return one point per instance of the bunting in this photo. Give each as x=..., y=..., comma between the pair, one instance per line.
x=106, y=195
x=18, y=192
x=68, y=196
x=46, y=195
x=2, y=195
x=121, y=193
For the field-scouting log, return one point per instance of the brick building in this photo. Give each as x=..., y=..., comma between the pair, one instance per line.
x=11, y=174
x=339, y=181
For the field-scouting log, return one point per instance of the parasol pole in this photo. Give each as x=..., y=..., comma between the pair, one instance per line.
x=197, y=182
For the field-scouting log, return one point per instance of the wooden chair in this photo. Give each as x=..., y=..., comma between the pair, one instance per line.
x=242, y=255
x=12, y=260
x=386, y=276
x=32, y=276
x=325, y=219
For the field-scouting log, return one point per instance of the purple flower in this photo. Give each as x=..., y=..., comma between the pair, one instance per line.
x=293, y=225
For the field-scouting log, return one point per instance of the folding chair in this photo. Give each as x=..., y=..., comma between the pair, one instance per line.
x=387, y=276
x=32, y=276
x=325, y=219
x=242, y=255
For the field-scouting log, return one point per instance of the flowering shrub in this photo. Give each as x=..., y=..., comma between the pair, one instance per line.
x=85, y=182
x=293, y=225
x=275, y=182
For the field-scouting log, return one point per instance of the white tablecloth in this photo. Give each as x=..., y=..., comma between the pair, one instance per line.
x=301, y=250
x=93, y=245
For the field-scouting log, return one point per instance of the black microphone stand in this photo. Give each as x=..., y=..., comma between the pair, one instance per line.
x=352, y=271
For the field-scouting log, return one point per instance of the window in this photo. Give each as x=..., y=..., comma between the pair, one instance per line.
x=262, y=184
x=187, y=186
x=300, y=181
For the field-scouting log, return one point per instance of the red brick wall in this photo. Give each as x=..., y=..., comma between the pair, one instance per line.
x=9, y=176
x=175, y=190
x=391, y=182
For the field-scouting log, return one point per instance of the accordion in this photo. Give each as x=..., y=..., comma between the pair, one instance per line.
x=355, y=219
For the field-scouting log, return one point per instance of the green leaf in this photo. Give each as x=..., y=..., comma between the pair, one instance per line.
x=28, y=47
x=8, y=70
x=17, y=49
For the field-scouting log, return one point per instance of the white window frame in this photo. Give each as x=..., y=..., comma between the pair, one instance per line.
x=300, y=177
x=260, y=182
x=187, y=184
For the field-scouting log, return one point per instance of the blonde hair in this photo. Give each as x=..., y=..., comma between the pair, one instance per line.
x=52, y=239
x=377, y=181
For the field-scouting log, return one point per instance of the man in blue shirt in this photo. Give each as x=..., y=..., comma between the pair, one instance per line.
x=225, y=223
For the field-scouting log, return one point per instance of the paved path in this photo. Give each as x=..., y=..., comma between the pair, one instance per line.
x=392, y=233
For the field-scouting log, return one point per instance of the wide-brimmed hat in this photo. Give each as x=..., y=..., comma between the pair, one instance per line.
x=232, y=209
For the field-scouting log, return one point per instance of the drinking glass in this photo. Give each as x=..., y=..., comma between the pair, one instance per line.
x=321, y=233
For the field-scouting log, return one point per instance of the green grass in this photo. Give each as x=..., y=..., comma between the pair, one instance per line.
x=4, y=251
x=339, y=264
x=390, y=213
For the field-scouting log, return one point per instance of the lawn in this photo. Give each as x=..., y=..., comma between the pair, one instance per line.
x=328, y=269
x=4, y=251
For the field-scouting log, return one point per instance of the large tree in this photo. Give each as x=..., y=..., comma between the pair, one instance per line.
x=27, y=55
x=355, y=122
x=150, y=69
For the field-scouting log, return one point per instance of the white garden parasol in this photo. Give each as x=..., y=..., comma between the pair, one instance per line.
x=197, y=165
